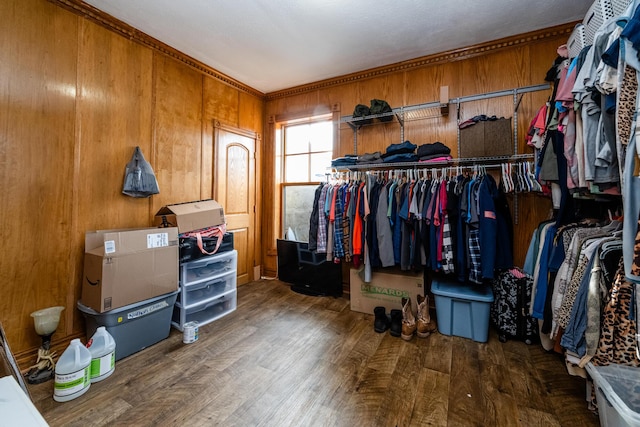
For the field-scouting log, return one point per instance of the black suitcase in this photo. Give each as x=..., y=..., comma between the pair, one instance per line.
x=510, y=307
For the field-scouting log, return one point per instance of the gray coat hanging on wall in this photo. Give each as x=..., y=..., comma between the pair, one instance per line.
x=139, y=179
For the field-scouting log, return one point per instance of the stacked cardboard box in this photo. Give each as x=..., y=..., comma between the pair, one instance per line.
x=122, y=267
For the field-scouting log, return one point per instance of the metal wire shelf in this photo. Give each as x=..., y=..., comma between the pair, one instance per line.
x=463, y=161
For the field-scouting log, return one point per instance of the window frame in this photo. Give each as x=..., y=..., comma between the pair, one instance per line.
x=281, y=142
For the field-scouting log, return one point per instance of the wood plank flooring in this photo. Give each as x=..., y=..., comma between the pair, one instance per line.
x=286, y=359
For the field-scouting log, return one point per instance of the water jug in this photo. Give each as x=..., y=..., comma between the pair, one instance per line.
x=72, y=377
x=103, y=354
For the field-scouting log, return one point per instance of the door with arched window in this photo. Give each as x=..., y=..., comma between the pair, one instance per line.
x=234, y=188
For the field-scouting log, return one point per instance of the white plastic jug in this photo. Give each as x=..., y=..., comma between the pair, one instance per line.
x=103, y=354
x=72, y=372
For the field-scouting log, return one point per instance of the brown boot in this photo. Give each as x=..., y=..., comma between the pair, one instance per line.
x=424, y=324
x=408, y=320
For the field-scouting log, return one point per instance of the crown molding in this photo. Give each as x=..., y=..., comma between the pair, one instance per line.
x=438, y=58
x=109, y=22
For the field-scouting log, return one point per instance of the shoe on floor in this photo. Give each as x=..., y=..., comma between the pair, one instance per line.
x=396, y=323
x=381, y=322
x=424, y=324
x=408, y=320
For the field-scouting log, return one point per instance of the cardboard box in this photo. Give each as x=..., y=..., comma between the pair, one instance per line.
x=385, y=289
x=487, y=139
x=190, y=216
x=122, y=267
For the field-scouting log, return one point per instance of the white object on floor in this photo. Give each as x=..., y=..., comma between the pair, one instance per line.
x=16, y=408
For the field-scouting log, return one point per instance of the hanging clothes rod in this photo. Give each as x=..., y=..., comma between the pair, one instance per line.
x=480, y=161
x=438, y=168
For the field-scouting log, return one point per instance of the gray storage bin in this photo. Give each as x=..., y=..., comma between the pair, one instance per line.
x=136, y=326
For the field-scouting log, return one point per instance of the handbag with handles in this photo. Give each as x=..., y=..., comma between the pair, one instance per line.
x=206, y=242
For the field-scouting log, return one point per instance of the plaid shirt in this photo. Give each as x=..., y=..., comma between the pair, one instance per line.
x=322, y=222
x=338, y=229
x=447, y=247
x=346, y=223
x=475, y=272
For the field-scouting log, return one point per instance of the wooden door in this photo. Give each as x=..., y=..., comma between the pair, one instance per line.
x=234, y=188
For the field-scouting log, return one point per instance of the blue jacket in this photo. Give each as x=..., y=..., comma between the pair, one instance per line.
x=488, y=219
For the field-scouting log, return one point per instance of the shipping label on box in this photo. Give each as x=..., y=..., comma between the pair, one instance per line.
x=384, y=289
x=123, y=267
x=190, y=216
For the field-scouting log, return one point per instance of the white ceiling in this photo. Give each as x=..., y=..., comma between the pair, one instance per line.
x=278, y=44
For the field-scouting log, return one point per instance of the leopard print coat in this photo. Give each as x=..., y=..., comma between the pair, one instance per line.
x=617, y=342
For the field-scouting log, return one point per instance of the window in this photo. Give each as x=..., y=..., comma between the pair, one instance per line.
x=307, y=148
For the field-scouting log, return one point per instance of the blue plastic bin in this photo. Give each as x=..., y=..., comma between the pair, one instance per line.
x=462, y=309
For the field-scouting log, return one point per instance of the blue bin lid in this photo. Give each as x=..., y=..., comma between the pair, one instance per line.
x=466, y=291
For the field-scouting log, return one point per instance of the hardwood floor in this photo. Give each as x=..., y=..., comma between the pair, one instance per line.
x=286, y=359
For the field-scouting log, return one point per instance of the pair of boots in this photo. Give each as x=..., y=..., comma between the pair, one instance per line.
x=403, y=323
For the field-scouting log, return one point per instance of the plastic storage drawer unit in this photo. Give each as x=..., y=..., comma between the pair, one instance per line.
x=206, y=312
x=617, y=392
x=205, y=269
x=462, y=309
x=135, y=326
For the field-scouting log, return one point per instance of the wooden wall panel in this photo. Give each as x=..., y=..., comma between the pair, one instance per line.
x=250, y=116
x=347, y=97
x=304, y=102
x=75, y=99
x=38, y=47
x=113, y=122
x=485, y=70
x=177, y=136
x=220, y=102
x=113, y=117
x=423, y=86
x=378, y=137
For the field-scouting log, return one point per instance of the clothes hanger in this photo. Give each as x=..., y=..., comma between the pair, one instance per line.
x=525, y=183
x=503, y=177
x=527, y=176
x=512, y=170
x=521, y=183
x=535, y=185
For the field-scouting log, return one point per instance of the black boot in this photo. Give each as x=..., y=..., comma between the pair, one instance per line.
x=396, y=323
x=381, y=322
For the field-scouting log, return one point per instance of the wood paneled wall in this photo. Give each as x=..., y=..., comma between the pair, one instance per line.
x=505, y=64
x=76, y=98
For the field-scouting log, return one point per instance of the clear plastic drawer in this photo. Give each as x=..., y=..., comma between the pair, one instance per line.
x=196, y=293
x=205, y=312
x=205, y=269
